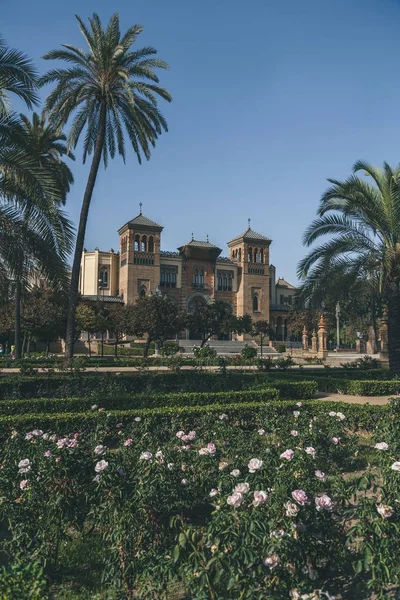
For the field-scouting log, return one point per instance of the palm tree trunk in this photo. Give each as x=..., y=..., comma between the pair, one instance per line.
x=80, y=238
x=17, y=342
x=394, y=330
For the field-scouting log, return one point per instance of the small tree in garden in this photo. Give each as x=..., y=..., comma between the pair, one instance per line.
x=117, y=323
x=212, y=319
x=261, y=330
x=156, y=317
x=243, y=324
x=86, y=320
x=43, y=316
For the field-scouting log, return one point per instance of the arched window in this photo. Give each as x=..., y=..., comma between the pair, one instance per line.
x=173, y=279
x=168, y=279
x=250, y=255
x=240, y=255
x=261, y=256
x=219, y=282
x=136, y=244
x=151, y=244
x=196, y=278
x=255, y=303
x=162, y=277
x=143, y=292
x=255, y=255
x=229, y=283
x=201, y=279
x=103, y=277
x=143, y=246
x=225, y=283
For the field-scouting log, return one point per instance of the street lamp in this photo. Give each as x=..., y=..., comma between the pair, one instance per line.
x=338, y=324
x=102, y=287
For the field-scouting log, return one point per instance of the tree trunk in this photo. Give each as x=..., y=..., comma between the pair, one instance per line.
x=17, y=341
x=146, y=347
x=23, y=345
x=116, y=347
x=28, y=344
x=80, y=238
x=90, y=350
x=394, y=330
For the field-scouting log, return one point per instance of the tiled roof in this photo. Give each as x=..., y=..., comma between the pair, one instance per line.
x=225, y=259
x=200, y=244
x=144, y=221
x=250, y=234
x=169, y=254
x=283, y=283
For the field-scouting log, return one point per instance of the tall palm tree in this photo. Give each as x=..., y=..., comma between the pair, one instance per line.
x=17, y=76
x=36, y=235
x=364, y=219
x=110, y=92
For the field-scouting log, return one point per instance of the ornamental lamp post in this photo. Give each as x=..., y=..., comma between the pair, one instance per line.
x=338, y=324
x=101, y=287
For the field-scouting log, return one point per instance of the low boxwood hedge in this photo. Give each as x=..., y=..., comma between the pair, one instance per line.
x=134, y=401
x=373, y=388
x=93, y=384
x=160, y=420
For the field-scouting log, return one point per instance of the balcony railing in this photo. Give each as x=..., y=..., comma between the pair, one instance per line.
x=200, y=286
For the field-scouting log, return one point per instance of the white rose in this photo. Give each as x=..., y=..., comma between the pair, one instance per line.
x=255, y=464
x=396, y=466
x=99, y=450
x=101, y=466
x=236, y=472
x=381, y=446
x=235, y=499
x=243, y=488
x=260, y=497
x=291, y=509
x=24, y=466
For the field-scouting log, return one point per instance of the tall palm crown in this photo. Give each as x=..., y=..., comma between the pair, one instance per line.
x=17, y=76
x=111, y=82
x=108, y=93
x=364, y=219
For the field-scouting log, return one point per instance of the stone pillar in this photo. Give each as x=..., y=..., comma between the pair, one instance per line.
x=358, y=346
x=314, y=341
x=322, y=350
x=371, y=344
x=305, y=338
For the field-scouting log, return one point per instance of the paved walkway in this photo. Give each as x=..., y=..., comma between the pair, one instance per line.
x=375, y=400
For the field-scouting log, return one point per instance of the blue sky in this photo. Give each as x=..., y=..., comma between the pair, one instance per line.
x=271, y=98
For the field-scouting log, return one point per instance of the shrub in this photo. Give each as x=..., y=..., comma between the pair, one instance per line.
x=20, y=581
x=265, y=364
x=248, y=352
x=284, y=362
x=169, y=349
x=204, y=353
x=366, y=362
x=373, y=388
x=281, y=348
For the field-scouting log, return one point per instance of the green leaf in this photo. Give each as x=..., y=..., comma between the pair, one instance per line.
x=175, y=554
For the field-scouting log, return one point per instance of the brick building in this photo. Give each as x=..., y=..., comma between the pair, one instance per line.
x=195, y=275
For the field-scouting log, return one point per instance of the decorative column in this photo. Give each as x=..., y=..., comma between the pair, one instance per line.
x=322, y=350
x=314, y=341
x=305, y=338
x=371, y=344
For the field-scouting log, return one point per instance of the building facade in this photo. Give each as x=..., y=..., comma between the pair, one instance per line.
x=193, y=276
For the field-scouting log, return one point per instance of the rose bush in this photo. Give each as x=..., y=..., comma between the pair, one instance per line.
x=213, y=504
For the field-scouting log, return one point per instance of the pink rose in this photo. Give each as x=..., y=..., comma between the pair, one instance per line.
x=288, y=454
x=128, y=442
x=320, y=474
x=271, y=561
x=261, y=432
x=76, y=435
x=294, y=433
x=310, y=450
x=235, y=499
x=335, y=440
x=58, y=459
x=299, y=404
x=260, y=497
x=255, y=464
x=296, y=414
x=300, y=497
x=119, y=425
x=23, y=484
x=146, y=456
x=211, y=448
x=243, y=488
x=381, y=446
x=323, y=502
x=47, y=453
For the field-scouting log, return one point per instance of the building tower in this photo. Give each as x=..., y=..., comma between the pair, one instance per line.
x=139, y=257
x=250, y=251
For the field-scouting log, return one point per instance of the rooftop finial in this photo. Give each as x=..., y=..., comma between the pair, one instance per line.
x=249, y=221
x=140, y=204
x=192, y=236
x=207, y=237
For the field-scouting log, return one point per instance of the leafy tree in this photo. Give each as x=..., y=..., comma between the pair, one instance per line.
x=117, y=323
x=18, y=76
x=364, y=219
x=43, y=316
x=242, y=324
x=262, y=329
x=110, y=91
x=86, y=320
x=157, y=317
x=36, y=234
x=212, y=319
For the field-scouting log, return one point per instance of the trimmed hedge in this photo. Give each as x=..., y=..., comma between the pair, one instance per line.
x=373, y=388
x=135, y=401
x=103, y=384
x=159, y=420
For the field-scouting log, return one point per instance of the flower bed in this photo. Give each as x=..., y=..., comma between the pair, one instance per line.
x=240, y=501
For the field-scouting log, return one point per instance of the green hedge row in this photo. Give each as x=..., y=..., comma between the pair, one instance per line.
x=104, y=384
x=134, y=401
x=161, y=420
x=373, y=388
